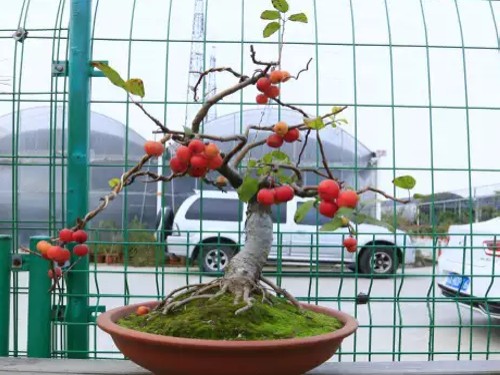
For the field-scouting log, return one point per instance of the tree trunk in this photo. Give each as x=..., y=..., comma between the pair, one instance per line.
x=244, y=270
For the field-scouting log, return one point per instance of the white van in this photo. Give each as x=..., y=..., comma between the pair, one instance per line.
x=209, y=227
x=468, y=266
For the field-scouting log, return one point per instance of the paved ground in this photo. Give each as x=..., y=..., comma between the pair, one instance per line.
x=411, y=328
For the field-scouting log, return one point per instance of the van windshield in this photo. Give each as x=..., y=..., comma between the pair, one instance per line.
x=215, y=209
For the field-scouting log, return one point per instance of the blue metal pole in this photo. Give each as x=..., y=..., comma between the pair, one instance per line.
x=77, y=174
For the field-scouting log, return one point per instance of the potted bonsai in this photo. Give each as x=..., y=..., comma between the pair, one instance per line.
x=242, y=318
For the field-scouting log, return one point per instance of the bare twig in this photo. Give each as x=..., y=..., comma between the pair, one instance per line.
x=323, y=156
x=245, y=151
x=291, y=107
x=257, y=62
x=158, y=123
x=375, y=190
x=302, y=70
x=213, y=70
x=289, y=167
x=303, y=147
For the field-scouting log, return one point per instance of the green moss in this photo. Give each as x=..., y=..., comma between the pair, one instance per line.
x=216, y=320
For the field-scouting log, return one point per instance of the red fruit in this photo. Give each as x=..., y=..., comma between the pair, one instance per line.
x=197, y=171
x=261, y=99
x=58, y=273
x=142, y=310
x=347, y=198
x=81, y=250
x=196, y=146
x=265, y=197
x=286, y=76
x=198, y=161
x=215, y=163
x=80, y=236
x=283, y=193
x=281, y=128
x=328, y=190
x=263, y=84
x=273, y=92
x=66, y=235
x=53, y=251
x=154, y=148
x=327, y=209
x=58, y=254
x=350, y=244
x=183, y=153
x=292, y=135
x=211, y=150
x=178, y=166
x=274, y=141
x=276, y=76
x=43, y=247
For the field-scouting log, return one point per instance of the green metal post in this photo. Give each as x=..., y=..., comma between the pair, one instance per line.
x=39, y=306
x=77, y=175
x=5, y=263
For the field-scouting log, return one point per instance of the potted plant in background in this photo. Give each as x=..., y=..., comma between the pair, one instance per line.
x=242, y=318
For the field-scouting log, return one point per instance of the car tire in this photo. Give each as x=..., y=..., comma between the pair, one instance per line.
x=212, y=254
x=385, y=261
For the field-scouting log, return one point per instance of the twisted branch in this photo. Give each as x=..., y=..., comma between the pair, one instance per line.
x=213, y=70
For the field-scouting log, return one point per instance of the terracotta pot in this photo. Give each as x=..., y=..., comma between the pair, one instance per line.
x=183, y=356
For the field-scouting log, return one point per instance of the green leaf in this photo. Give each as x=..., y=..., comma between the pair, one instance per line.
x=113, y=182
x=280, y=5
x=263, y=170
x=362, y=218
x=299, y=17
x=342, y=120
x=283, y=178
x=276, y=155
x=110, y=73
x=252, y=163
x=316, y=123
x=302, y=211
x=270, y=15
x=187, y=130
x=270, y=29
x=135, y=86
x=333, y=225
x=248, y=188
x=405, y=182
x=345, y=211
x=420, y=196
x=336, y=109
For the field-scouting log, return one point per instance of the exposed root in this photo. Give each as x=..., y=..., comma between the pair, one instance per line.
x=281, y=291
x=244, y=290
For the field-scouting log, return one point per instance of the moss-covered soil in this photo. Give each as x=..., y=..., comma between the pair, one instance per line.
x=216, y=320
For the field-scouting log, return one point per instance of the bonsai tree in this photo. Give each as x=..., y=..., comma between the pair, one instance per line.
x=270, y=180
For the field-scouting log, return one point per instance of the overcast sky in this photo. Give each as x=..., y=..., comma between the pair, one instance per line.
x=339, y=74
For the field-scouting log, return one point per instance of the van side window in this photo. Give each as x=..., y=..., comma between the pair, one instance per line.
x=215, y=209
x=278, y=213
x=313, y=217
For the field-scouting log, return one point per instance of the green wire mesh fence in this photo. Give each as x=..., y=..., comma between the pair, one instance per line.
x=420, y=79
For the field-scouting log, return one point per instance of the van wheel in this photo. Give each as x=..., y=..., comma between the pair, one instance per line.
x=383, y=262
x=215, y=257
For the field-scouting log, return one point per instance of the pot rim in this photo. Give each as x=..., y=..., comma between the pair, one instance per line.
x=107, y=322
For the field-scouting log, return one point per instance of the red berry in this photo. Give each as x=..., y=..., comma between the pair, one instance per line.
x=81, y=250
x=273, y=92
x=53, y=251
x=286, y=76
x=292, y=135
x=263, y=84
x=43, y=247
x=350, y=244
x=183, y=153
x=80, y=236
x=211, y=150
x=261, y=99
x=347, y=198
x=142, y=310
x=283, y=193
x=328, y=209
x=265, y=197
x=178, y=166
x=328, y=190
x=276, y=76
x=154, y=148
x=197, y=171
x=66, y=235
x=215, y=163
x=274, y=141
x=199, y=161
x=58, y=273
x=196, y=146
